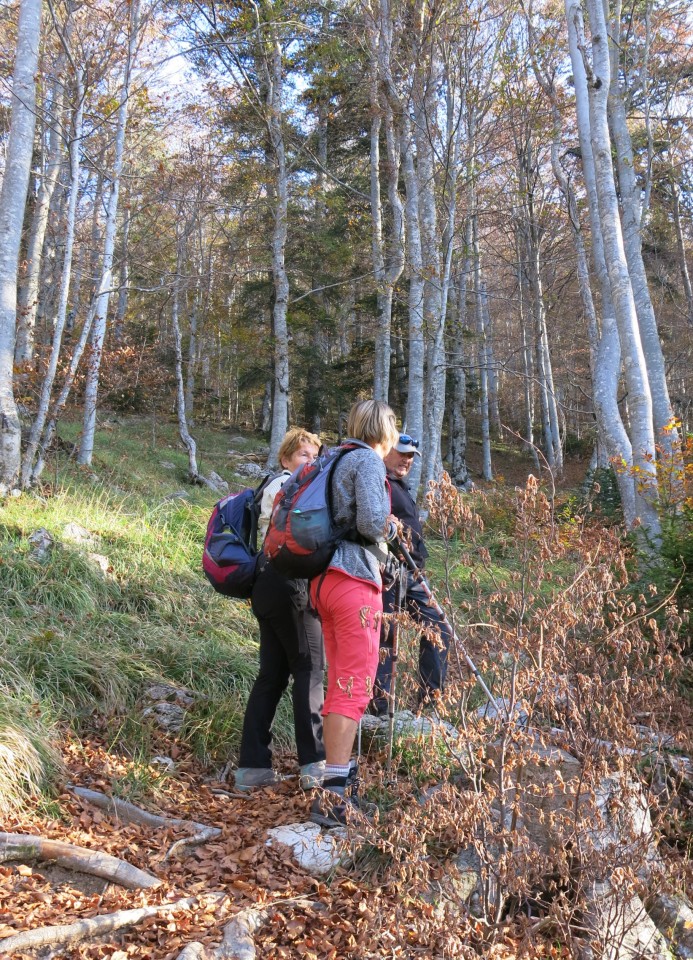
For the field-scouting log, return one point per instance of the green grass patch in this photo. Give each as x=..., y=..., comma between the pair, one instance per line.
x=84, y=643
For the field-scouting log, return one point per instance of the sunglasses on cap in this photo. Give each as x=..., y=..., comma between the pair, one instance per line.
x=408, y=441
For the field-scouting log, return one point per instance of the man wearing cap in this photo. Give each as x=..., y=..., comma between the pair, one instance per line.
x=433, y=652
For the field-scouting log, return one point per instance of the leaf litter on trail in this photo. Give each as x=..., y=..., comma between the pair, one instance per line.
x=358, y=919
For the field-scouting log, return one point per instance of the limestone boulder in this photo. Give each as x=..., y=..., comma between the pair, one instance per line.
x=317, y=852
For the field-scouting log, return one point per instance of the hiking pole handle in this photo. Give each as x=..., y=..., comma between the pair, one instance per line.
x=419, y=577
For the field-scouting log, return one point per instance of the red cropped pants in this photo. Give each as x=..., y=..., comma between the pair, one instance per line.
x=351, y=612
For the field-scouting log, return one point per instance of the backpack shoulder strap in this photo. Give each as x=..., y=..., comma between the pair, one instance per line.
x=254, y=507
x=337, y=455
x=264, y=483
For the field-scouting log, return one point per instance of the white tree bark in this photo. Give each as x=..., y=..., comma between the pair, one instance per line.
x=98, y=334
x=387, y=253
x=271, y=68
x=457, y=439
x=415, y=396
x=29, y=292
x=491, y=365
x=123, y=293
x=629, y=194
x=486, y=466
x=681, y=249
x=61, y=316
x=192, y=354
x=568, y=193
x=427, y=78
x=188, y=440
x=15, y=185
x=635, y=369
x=607, y=363
x=61, y=399
x=529, y=226
x=527, y=360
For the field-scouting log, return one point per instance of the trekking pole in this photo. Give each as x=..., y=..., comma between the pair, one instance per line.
x=394, y=657
x=421, y=579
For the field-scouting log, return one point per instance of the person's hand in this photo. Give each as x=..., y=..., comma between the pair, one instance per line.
x=394, y=529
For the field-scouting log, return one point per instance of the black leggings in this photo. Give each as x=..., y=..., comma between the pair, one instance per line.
x=291, y=645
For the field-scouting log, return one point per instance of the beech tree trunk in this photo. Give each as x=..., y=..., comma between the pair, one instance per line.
x=629, y=195
x=29, y=292
x=527, y=359
x=491, y=365
x=457, y=440
x=13, y=196
x=635, y=368
x=387, y=252
x=486, y=468
x=184, y=432
x=61, y=316
x=271, y=68
x=427, y=78
x=122, y=307
x=681, y=249
x=98, y=333
x=607, y=362
x=584, y=284
x=415, y=396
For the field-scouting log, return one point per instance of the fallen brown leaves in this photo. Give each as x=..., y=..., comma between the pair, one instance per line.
x=363, y=916
x=359, y=921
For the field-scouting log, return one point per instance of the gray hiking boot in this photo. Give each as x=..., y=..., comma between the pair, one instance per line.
x=248, y=778
x=311, y=775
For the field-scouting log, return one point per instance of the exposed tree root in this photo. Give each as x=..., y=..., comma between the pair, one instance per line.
x=129, y=813
x=17, y=846
x=193, y=951
x=237, y=941
x=66, y=934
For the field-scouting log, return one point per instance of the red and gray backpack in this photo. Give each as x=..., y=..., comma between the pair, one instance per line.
x=302, y=534
x=231, y=554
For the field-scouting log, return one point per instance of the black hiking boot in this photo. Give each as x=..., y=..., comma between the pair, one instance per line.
x=331, y=810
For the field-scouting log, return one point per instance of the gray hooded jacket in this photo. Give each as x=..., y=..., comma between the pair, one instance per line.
x=360, y=499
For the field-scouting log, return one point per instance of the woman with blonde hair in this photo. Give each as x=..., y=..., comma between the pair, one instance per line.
x=290, y=646
x=348, y=598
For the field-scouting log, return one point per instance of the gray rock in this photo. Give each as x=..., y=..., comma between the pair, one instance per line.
x=167, y=465
x=103, y=563
x=620, y=928
x=177, y=495
x=169, y=717
x=249, y=469
x=169, y=693
x=219, y=484
x=548, y=781
x=408, y=726
x=317, y=852
x=459, y=888
x=76, y=533
x=673, y=916
x=165, y=762
x=487, y=711
x=42, y=544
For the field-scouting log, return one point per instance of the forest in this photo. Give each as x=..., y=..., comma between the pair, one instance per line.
x=218, y=220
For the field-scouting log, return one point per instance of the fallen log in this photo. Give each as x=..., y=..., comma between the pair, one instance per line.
x=130, y=813
x=23, y=847
x=65, y=934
